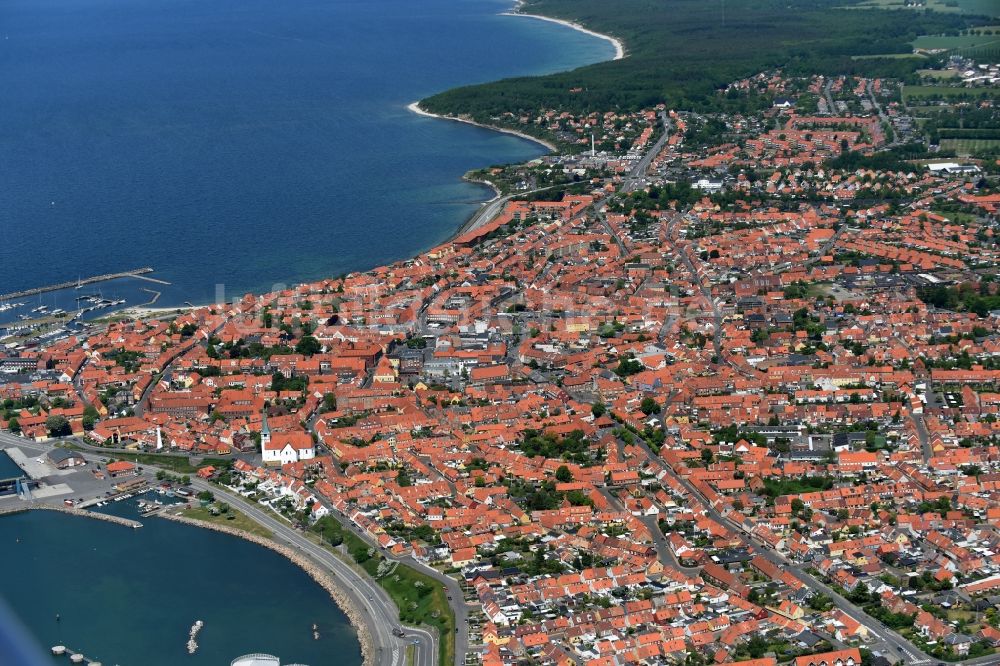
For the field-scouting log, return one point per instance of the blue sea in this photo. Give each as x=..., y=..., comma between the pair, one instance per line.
x=233, y=145
x=245, y=143
x=129, y=597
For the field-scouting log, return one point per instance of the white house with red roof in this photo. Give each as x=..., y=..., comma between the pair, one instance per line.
x=288, y=447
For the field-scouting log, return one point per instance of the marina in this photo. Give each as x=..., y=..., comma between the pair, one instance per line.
x=79, y=283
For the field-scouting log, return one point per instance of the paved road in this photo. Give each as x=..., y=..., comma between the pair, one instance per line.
x=492, y=208
x=364, y=593
x=831, y=107
x=638, y=171
x=454, y=589
x=893, y=643
x=881, y=115
x=663, y=550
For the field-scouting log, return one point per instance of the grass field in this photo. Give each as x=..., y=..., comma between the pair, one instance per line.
x=420, y=598
x=422, y=601
x=940, y=74
x=969, y=146
x=238, y=520
x=954, y=42
x=893, y=56
x=959, y=218
x=179, y=464
x=919, y=93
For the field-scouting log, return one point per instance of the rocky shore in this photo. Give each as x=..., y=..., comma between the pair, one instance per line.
x=356, y=618
x=71, y=511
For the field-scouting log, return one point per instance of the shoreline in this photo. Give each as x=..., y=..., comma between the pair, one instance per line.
x=71, y=511
x=314, y=571
x=415, y=107
x=487, y=183
x=617, y=43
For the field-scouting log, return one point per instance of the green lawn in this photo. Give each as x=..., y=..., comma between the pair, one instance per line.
x=930, y=93
x=940, y=74
x=421, y=599
x=179, y=464
x=969, y=146
x=776, y=487
x=893, y=56
x=959, y=218
x=232, y=518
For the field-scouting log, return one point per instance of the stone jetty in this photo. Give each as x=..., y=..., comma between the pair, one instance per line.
x=317, y=573
x=118, y=520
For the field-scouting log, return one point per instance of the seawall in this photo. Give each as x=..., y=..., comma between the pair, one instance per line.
x=118, y=520
x=354, y=616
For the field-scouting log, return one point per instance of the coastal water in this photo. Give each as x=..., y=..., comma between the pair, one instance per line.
x=129, y=597
x=245, y=142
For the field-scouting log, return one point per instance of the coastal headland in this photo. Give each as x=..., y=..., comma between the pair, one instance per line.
x=417, y=109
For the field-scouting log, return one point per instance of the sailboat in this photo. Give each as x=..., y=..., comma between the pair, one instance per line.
x=79, y=283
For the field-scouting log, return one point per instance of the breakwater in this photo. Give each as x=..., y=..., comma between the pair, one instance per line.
x=356, y=618
x=79, y=283
x=118, y=520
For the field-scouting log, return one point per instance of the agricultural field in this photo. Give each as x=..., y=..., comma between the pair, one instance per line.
x=984, y=7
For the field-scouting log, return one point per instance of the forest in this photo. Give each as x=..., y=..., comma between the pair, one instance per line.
x=684, y=52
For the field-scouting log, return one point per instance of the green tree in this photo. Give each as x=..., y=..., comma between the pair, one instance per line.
x=90, y=416
x=563, y=474
x=13, y=424
x=403, y=479
x=58, y=426
x=649, y=406
x=308, y=346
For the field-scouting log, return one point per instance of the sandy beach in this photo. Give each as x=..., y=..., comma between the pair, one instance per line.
x=617, y=43
x=415, y=108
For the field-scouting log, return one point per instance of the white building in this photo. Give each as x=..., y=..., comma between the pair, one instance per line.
x=287, y=447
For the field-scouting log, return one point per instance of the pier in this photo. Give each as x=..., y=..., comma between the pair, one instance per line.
x=150, y=279
x=73, y=511
x=138, y=272
x=152, y=301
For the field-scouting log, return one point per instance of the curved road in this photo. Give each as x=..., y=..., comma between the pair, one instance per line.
x=379, y=611
x=365, y=594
